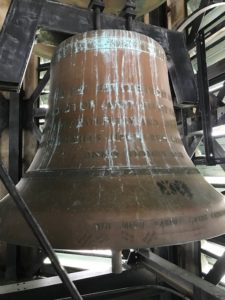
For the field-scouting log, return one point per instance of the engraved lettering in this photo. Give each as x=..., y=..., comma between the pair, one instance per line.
x=218, y=214
x=133, y=225
x=197, y=219
x=175, y=187
x=103, y=226
x=102, y=154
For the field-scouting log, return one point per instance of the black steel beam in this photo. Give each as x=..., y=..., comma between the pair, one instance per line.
x=16, y=41
x=179, y=66
x=43, y=67
x=86, y=281
x=15, y=169
x=221, y=94
x=15, y=136
x=218, y=270
x=4, y=113
x=202, y=161
x=19, y=30
x=215, y=20
x=218, y=240
x=42, y=83
x=215, y=29
x=196, y=24
x=204, y=99
x=216, y=70
x=209, y=254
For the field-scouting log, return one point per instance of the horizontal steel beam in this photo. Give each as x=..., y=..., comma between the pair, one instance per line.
x=202, y=161
x=87, y=282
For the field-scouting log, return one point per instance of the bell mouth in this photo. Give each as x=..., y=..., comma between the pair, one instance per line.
x=115, y=212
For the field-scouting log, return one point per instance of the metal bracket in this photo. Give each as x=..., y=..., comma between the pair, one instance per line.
x=98, y=7
x=129, y=13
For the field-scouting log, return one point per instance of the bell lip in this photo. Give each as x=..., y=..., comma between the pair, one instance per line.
x=33, y=243
x=99, y=31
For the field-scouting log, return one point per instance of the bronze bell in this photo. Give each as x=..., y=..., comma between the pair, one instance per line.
x=111, y=170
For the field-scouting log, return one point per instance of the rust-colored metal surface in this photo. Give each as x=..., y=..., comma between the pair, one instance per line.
x=111, y=170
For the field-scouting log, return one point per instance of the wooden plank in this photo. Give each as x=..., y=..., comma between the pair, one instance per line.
x=176, y=13
x=4, y=6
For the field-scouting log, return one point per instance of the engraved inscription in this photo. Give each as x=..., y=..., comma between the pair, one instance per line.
x=90, y=105
x=137, y=155
x=102, y=154
x=107, y=120
x=175, y=187
x=198, y=219
x=117, y=137
x=170, y=221
x=131, y=88
x=74, y=46
x=103, y=226
x=218, y=214
x=133, y=225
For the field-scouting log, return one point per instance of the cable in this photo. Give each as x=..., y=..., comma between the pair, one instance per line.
x=130, y=289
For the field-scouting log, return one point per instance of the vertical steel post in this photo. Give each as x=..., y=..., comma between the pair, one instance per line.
x=15, y=169
x=204, y=99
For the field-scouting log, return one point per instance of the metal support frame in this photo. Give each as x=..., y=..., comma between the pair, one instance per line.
x=4, y=113
x=15, y=136
x=204, y=99
x=215, y=74
x=187, y=283
x=217, y=272
x=202, y=161
x=15, y=168
x=16, y=41
x=146, y=269
x=195, y=25
x=69, y=19
x=88, y=282
x=40, y=87
x=221, y=95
